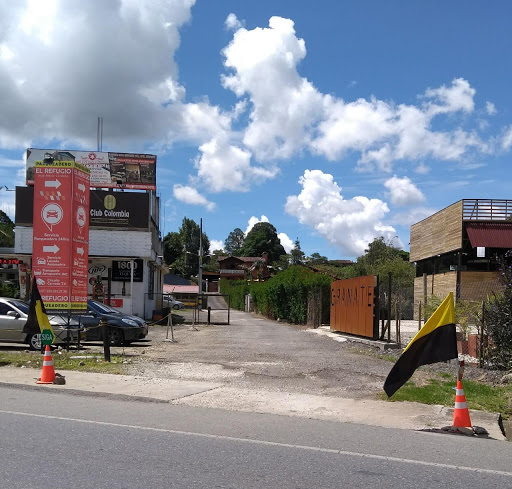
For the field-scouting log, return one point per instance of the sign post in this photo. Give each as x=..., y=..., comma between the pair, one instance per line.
x=61, y=234
x=47, y=337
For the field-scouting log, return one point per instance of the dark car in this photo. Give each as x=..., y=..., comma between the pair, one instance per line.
x=122, y=328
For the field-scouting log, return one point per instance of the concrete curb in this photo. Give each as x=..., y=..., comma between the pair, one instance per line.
x=403, y=415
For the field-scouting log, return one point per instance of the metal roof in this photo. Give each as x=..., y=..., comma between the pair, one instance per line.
x=490, y=234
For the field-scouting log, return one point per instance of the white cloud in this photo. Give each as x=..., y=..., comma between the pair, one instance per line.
x=254, y=220
x=506, y=140
x=287, y=243
x=264, y=66
x=413, y=216
x=348, y=224
x=289, y=115
x=223, y=166
x=216, y=244
x=190, y=195
x=422, y=169
x=130, y=79
x=490, y=108
x=232, y=23
x=402, y=192
x=458, y=96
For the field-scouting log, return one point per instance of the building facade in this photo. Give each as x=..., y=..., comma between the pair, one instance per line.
x=125, y=247
x=460, y=249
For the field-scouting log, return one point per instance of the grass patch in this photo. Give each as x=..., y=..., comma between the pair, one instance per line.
x=66, y=361
x=440, y=390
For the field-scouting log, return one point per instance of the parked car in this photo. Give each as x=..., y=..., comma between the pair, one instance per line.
x=122, y=328
x=170, y=301
x=13, y=316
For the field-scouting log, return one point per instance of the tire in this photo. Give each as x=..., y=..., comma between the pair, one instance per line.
x=34, y=342
x=176, y=306
x=116, y=336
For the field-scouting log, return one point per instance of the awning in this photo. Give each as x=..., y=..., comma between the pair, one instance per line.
x=490, y=234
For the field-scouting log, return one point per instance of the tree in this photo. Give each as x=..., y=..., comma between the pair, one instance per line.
x=234, y=242
x=181, y=249
x=297, y=254
x=498, y=318
x=173, y=248
x=6, y=230
x=260, y=239
x=317, y=259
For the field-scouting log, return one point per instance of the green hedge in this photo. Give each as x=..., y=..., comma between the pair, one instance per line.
x=284, y=296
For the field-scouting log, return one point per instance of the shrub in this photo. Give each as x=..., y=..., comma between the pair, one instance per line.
x=498, y=318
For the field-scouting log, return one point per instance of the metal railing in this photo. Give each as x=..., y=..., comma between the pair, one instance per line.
x=486, y=210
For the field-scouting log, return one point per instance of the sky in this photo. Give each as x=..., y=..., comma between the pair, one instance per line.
x=336, y=121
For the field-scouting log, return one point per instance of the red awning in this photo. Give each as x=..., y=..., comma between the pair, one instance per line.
x=490, y=234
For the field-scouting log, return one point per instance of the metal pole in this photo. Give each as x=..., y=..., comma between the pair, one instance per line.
x=106, y=340
x=132, y=264
x=389, y=307
x=419, y=316
x=481, y=349
x=169, y=325
x=200, y=275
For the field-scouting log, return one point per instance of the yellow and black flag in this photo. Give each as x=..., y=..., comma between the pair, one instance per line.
x=435, y=342
x=37, y=319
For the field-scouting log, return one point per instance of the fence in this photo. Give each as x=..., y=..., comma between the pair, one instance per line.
x=209, y=308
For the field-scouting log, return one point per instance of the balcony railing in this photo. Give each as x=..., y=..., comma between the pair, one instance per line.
x=486, y=210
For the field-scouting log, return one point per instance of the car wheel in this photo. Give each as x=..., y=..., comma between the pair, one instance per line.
x=176, y=306
x=34, y=342
x=116, y=336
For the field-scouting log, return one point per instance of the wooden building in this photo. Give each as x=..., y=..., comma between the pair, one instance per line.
x=244, y=267
x=460, y=249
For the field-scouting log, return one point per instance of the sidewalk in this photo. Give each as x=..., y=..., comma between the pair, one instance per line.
x=403, y=415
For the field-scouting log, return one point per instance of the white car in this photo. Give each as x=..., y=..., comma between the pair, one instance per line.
x=170, y=301
x=13, y=316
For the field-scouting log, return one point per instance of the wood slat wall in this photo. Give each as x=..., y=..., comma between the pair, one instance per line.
x=438, y=234
x=443, y=284
x=477, y=286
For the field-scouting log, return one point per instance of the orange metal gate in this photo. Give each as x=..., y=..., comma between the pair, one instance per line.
x=354, y=306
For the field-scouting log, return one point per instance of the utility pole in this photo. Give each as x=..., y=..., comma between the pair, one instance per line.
x=200, y=275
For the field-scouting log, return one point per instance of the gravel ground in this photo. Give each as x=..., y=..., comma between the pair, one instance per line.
x=256, y=353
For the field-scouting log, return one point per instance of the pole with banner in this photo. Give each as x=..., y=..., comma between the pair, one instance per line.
x=61, y=234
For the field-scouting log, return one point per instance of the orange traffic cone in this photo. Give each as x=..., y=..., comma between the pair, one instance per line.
x=48, y=374
x=461, y=413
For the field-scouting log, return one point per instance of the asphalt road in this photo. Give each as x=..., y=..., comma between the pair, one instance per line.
x=64, y=441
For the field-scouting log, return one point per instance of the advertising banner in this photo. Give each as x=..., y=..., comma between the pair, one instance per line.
x=61, y=233
x=107, y=170
x=107, y=209
x=121, y=270
x=80, y=238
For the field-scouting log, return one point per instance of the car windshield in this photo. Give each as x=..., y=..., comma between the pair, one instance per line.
x=22, y=306
x=102, y=308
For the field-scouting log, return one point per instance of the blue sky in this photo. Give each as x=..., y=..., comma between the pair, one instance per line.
x=336, y=121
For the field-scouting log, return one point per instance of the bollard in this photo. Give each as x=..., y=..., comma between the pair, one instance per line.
x=209, y=313
x=106, y=340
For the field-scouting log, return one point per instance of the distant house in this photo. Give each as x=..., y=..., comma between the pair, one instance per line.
x=180, y=288
x=244, y=267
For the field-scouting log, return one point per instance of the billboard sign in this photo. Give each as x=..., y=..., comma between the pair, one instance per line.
x=107, y=170
x=121, y=270
x=61, y=234
x=107, y=209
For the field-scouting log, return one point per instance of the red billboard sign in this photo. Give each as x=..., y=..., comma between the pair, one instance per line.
x=61, y=234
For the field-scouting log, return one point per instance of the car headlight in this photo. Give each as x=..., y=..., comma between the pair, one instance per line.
x=130, y=322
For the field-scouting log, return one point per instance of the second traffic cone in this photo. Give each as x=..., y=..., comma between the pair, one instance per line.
x=461, y=412
x=48, y=374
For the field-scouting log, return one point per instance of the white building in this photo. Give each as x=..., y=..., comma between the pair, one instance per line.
x=125, y=246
